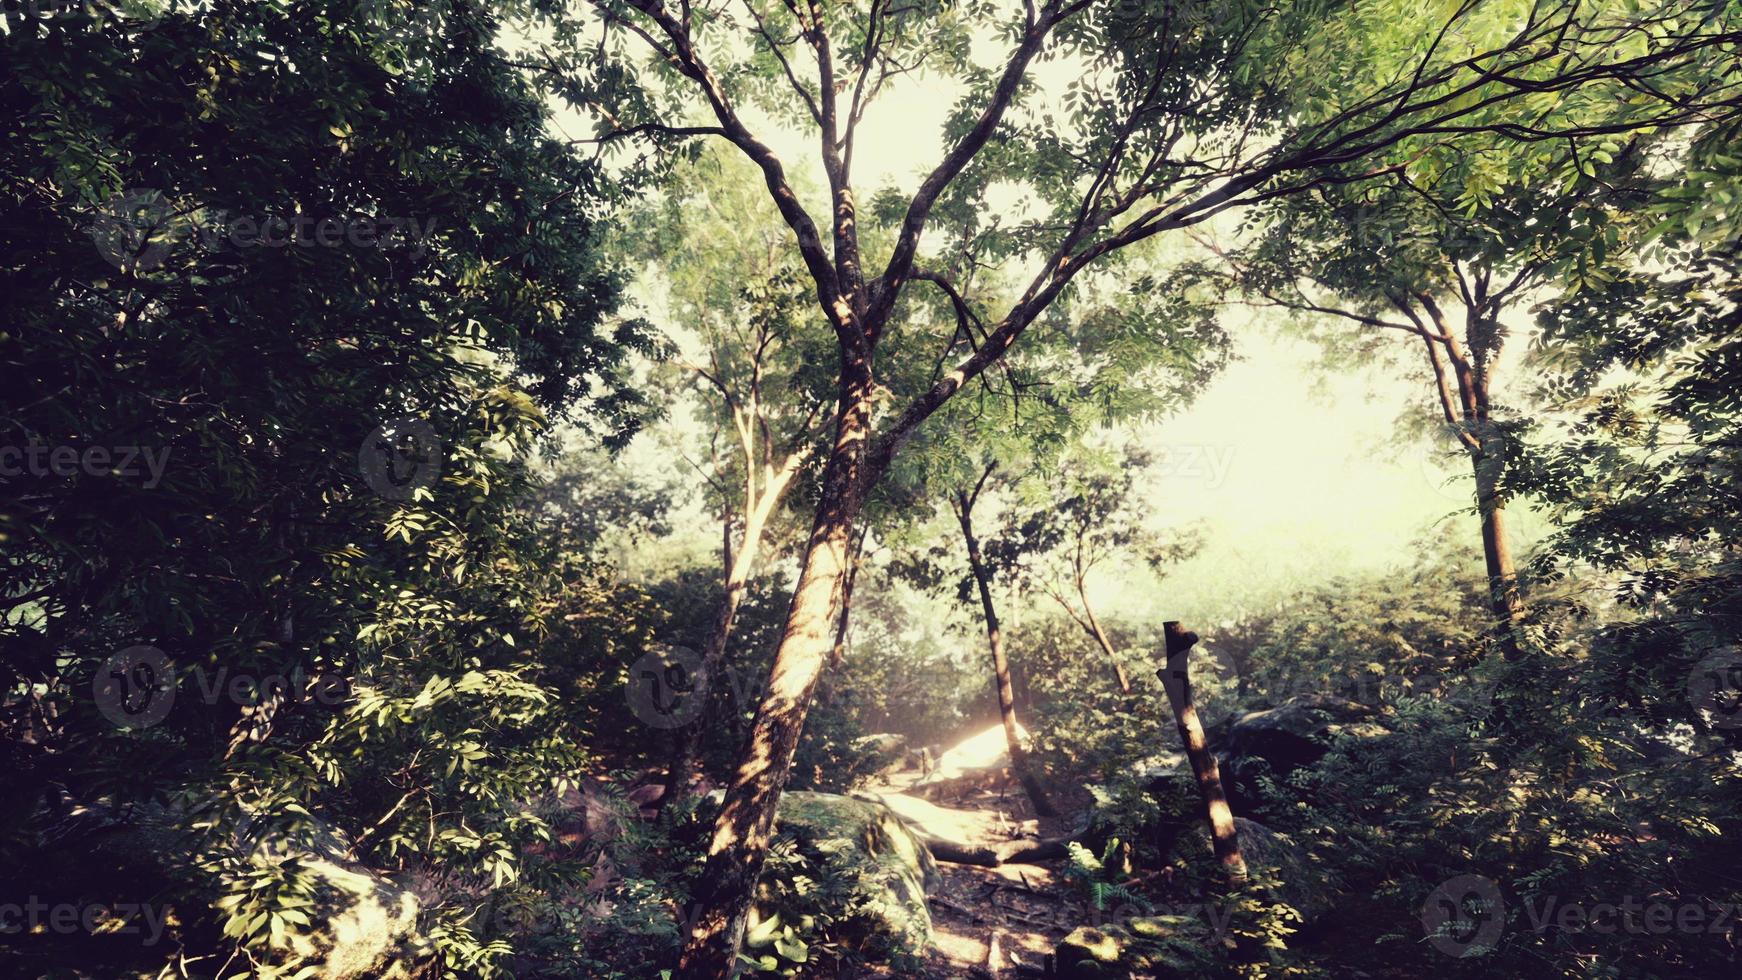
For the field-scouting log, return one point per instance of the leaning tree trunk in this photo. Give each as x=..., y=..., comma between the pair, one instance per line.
x=746, y=821
x=1019, y=763
x=1176, y=678
x=1101, y=639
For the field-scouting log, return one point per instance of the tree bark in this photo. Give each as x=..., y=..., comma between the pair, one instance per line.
x=745, y=825
x=1503, y=596
x=1000, y=664
x=1176, y=678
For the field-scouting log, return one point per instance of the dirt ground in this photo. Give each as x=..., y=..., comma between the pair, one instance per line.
x=1000, y=921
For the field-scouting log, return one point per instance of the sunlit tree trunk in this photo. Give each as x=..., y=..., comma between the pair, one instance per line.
x=1464, y=398
x=1019, y=762
x=746, y=822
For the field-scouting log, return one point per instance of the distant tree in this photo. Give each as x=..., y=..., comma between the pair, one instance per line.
x=1444, y=262
x=1089, y=511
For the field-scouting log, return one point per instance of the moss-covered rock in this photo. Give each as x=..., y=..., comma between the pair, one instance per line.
x=877, y=865
x=1150, y=946
x=361, y=924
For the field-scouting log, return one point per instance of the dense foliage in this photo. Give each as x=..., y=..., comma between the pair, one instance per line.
x=380, y=450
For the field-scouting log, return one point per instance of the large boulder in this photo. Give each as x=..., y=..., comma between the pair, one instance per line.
x=362, y=925
x=1294, y=734
x=1153, y=946
x=864, y=846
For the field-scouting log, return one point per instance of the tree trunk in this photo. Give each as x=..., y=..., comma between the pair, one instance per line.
x=685, y=769
x=838, y=655
x=746, y=821
x=1176, y=678
x=1000, y=665
x=1503, y=595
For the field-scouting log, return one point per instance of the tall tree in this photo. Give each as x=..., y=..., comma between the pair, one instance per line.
x=1172, y=117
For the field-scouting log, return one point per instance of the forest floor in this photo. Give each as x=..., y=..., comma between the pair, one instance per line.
x=1001, y=921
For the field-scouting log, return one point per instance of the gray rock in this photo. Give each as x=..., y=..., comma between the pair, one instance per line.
x=1290, y=736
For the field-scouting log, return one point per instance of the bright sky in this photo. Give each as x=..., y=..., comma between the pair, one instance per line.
x=1299, y=476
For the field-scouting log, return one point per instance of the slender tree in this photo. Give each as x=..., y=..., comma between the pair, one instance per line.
x=963, y=508
x=1444, y=264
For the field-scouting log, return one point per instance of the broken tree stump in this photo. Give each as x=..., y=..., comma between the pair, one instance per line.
x=1176, y=680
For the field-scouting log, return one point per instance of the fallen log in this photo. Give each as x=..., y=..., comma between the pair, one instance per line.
x=1030, y=851
x=946, y=850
